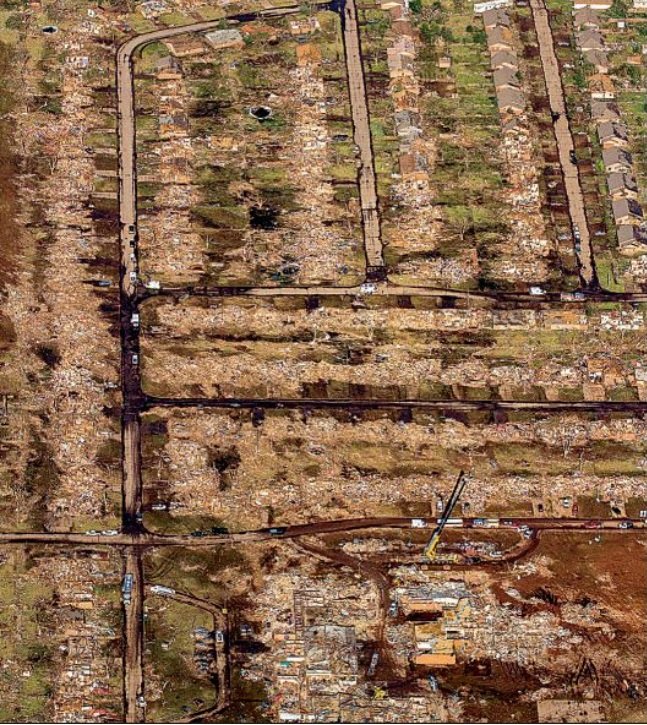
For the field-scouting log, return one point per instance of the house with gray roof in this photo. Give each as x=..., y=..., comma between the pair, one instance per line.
x=626, y=211
x=622, y=185
x=613, y=133
x=616, y=159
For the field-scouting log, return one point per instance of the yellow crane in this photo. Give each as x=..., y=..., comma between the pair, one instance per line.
x=430, y=549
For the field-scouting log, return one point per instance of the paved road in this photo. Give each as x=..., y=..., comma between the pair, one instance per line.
x=142, y=539
x=604, y=406
x=130, y=377
x=362, y=132
x=134, y=536
x=393, y=290
x=134, y=639
x=131, y=474
x=564, y=138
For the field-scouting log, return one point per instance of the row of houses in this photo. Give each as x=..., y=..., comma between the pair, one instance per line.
x=505, y=65
x=524, y=257
x=612, y=135
x=405, y=91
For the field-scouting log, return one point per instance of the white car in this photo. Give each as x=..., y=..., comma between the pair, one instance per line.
x=110, y=532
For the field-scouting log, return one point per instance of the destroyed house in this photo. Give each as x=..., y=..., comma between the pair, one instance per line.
x=230, y=38
x=185, y=47
x=168, y=69
x=601, y=87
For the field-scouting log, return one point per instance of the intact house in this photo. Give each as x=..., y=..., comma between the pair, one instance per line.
x=590, y=40
x=632, y=239
x=495, y=17
x=616, y=159
x=505, y=78
x=604, y=111
x=622, y=185
x=510, y=100
x=613, y=133
x=626, y=211
x=586, y=18
x=499, y=38
x=593, y=5
x=504, y=59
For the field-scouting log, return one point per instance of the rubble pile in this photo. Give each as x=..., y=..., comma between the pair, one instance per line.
x=87, y=687
x=333, y=352
x=315, y=635
x=527, y=257
x=50, y=314
x=323, y=468
x=613, y=136
x=411, y=199
x=310, y=234
x=170, y=248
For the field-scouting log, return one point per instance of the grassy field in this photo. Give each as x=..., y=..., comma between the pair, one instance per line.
x=169, y=639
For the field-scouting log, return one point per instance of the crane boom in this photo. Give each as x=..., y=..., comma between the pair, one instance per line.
x=430, y=549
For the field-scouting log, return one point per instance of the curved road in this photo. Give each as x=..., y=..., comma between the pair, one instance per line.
x=134, y=536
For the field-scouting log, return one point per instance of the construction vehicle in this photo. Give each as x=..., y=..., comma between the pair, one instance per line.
x=430, y=549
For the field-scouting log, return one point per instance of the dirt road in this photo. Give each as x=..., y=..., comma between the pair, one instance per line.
x=362, y=131
x=565, y=145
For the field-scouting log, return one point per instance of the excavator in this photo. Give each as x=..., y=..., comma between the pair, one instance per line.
x=430, y=549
